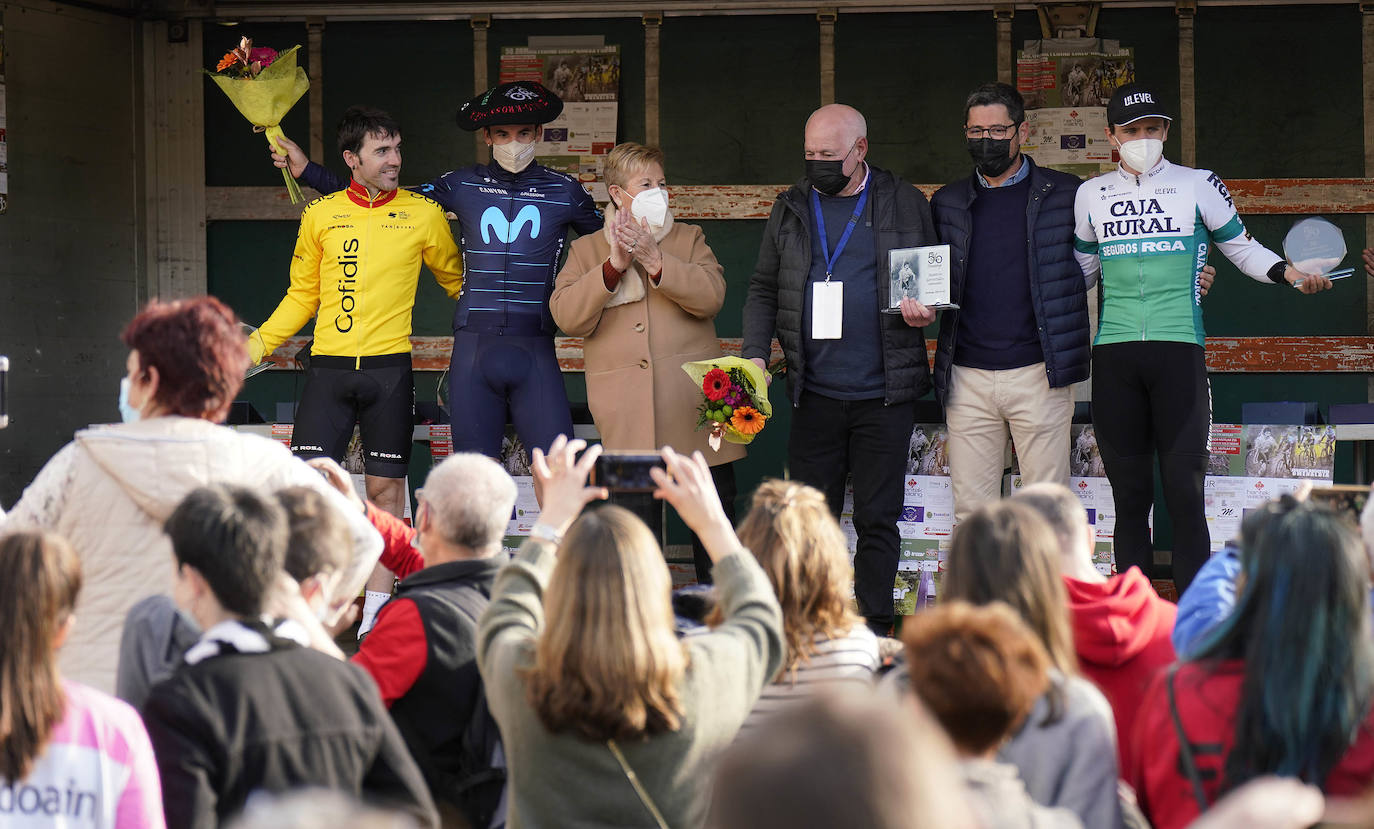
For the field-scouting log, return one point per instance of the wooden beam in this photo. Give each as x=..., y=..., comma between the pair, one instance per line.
x=754, y=201
x=1225, y=355
x=1367, y=39
x=314, y=34
x=653, y=26
x=174, y=163
x=1187, y=121
x=480, y=23
x=825, y=19
x=1005, y=49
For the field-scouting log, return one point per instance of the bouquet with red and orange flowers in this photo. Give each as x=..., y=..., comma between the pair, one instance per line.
x=263, y=85
x=735, y=403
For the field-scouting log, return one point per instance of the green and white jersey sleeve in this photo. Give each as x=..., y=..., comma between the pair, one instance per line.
x=1233, y=240
x=1150, y=236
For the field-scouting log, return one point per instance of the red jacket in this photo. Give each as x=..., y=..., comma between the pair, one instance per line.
x=1207, y=700
x=1121, y=631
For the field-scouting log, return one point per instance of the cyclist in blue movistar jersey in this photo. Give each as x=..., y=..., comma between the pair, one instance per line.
x=514, y=217
x=1148, y=227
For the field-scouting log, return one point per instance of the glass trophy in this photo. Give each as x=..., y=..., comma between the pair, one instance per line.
x=253, y=371
x=1316, y=246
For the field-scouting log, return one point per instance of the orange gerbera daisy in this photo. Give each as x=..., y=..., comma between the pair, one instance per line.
x=747, y=420
x=227, y=61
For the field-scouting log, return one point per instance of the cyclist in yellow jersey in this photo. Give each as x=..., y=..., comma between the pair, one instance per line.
x=355, y=269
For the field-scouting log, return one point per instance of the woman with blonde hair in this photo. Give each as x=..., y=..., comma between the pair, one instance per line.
x=644, y=294
x=606, y=717
x=798, y=543
x=69, y=755
x=1066, y=748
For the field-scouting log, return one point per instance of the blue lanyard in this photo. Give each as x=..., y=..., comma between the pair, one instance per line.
x=844, y=237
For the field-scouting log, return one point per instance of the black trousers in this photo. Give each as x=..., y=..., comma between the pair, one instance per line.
x=830, y=439
x=1153, y=399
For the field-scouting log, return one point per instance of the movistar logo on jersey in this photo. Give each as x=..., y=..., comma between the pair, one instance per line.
x=1149, y=217
x=494, y=222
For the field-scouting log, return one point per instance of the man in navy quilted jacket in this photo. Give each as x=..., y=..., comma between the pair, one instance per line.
x=1007, y=357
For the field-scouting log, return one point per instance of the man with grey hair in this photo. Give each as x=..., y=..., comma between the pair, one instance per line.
x=853, y=372
x=1121, y=626
x=422, y=651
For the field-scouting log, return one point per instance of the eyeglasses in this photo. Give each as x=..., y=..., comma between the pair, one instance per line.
x=996, y=131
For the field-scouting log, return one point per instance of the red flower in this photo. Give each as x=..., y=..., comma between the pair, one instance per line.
x=263, y=55
x=716, y=384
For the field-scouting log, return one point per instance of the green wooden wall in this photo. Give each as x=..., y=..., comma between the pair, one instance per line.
x=735, y=92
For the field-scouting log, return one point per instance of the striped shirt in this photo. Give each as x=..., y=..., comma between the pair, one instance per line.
x=848, y=659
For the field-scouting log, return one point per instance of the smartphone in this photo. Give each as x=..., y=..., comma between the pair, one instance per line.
x=626, y=471
x=4, y=391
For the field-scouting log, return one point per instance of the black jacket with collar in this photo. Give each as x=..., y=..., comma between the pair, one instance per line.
x=236, y=723
x=777, y=290
x=1057, y=287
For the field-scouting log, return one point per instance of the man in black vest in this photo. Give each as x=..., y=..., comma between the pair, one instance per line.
x=853, y=372
x=422, y=651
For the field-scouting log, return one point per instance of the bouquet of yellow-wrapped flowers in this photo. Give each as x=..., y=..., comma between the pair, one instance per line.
x=736, y=403
x=263, y=85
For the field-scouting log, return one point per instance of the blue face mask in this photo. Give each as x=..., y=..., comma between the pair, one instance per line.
x=127, y=412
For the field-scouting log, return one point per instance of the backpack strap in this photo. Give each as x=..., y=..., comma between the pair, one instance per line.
x=1185, y=749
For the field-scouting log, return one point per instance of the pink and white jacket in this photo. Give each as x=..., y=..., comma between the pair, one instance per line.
x=97, y=771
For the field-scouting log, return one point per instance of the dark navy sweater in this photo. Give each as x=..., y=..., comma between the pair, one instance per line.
x=997, y=313
x=850, y=368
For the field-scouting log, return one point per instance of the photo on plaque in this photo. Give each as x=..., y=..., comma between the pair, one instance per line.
x=921, y=274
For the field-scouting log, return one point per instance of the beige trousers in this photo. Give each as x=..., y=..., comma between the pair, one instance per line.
x=981, y=406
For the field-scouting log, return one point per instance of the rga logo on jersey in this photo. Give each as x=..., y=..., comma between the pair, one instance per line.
x=348, y=267
x=1214, y=180
x=495, y=222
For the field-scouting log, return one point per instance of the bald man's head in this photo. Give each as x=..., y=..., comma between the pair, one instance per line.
x=845, y=122
x=837, y=133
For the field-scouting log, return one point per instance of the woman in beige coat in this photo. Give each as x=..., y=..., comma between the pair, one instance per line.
x=644, y=294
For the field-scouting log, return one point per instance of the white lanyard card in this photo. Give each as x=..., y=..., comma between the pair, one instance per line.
x=827, y=310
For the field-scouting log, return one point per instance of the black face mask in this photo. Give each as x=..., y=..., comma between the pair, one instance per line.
x=826, y=176
x=992, y=156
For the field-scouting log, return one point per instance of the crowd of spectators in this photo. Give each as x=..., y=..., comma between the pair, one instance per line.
x=555, y=686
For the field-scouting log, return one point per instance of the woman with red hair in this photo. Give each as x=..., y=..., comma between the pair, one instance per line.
x=110, y=490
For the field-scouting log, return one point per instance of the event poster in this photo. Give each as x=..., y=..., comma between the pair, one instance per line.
x=588, y=81
x=1067, y=84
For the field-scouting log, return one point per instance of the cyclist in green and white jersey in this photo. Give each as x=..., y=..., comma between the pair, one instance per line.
x=1148, y=227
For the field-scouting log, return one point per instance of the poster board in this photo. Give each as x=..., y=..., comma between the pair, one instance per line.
x=588, y=81
x=1067, y=83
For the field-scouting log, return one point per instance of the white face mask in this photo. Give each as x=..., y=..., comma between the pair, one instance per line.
x=651, y=205
x=513, y=155
x=1141, y=154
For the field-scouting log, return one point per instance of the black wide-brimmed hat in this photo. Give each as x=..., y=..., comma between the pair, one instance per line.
x=521, y=102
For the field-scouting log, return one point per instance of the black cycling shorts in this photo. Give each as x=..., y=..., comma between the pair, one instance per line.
x=379, y=396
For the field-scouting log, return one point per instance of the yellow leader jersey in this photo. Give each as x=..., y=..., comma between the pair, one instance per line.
x=357, y=265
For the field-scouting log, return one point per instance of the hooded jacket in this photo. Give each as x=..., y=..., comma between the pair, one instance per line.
x=111, y=489
x=1121, y=630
